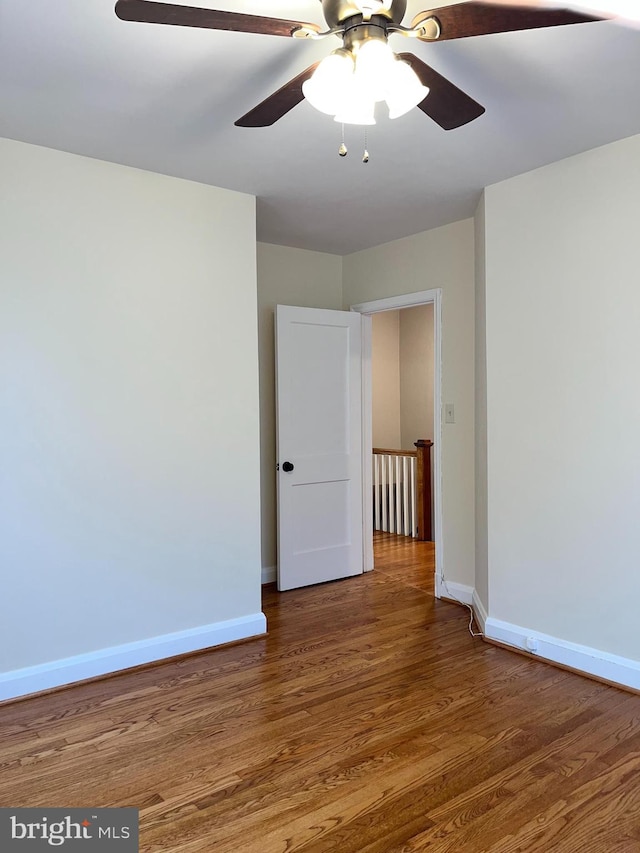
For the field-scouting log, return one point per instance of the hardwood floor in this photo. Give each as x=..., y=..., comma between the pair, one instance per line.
x=368, y=721
x=406, y=560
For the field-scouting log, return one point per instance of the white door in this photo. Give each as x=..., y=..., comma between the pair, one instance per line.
x=319, y=445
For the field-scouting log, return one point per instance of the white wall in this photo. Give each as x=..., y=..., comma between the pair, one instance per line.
x=416, y=374
x=287, y=277
x=385, y=380
x=482, y=546
x=563, y=409
x=129, y=393
x=402, y=376
x=443, y=257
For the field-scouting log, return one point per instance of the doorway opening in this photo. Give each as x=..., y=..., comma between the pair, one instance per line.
x=396, y=424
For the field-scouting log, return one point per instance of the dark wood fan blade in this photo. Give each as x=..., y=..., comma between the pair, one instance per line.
x=149, y=12
x=279, y=103
x=478, y=19
x=447, y=105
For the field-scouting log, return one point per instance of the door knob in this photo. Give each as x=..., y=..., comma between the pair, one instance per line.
x=287, y=466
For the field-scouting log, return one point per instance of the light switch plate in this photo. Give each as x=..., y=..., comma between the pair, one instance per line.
x=449, y=413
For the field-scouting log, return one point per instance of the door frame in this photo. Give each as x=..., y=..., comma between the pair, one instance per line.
x=367, y=309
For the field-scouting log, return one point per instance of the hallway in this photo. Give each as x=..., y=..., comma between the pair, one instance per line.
x=404, y=559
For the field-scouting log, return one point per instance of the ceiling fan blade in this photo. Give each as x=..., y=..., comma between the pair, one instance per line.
x=478, y=19
x=447, y=105
x=279, y=103
x=147, y=11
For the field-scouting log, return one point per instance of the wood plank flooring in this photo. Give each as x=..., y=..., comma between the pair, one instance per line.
x=368, y=721
x=409, y=561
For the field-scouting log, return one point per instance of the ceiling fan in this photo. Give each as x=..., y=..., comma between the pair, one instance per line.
x=347, y=83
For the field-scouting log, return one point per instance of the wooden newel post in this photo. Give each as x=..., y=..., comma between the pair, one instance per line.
x=423, y=488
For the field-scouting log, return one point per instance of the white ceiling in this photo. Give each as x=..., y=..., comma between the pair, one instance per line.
x=76, y=78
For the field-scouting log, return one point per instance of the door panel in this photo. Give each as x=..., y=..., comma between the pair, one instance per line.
x=319, y=431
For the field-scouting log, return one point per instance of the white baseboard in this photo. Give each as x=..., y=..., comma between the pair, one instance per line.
x=455, y=591
x=479, y=611
x=269, y=574
x=585, y=659
x=619, y=670
x=33, y=679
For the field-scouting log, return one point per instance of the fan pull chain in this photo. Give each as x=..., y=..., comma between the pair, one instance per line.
x=365, y=156
x=342, y=151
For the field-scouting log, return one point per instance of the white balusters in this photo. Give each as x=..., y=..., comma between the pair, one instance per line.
x=383, y=491
x=394, y=492
x=398, y=496
x=414, y=500
x=406, y=528
x=391, y=493
x=377, y=510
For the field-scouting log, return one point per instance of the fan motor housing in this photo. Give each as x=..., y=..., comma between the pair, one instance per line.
x=336, y=12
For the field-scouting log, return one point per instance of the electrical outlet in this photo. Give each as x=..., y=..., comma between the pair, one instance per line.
x=449, y=413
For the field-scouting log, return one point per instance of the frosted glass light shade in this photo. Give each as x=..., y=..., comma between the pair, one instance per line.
x=357, y=112
x=404, y=89
x=326, y=89
x=374, y=62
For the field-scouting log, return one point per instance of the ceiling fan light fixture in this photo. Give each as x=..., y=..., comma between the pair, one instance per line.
x=325, y=90
x=357, y=110
x=347, y=85
x=373, y=64
x=404, y=89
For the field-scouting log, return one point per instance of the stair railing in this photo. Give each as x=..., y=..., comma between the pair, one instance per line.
x=402, y=490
